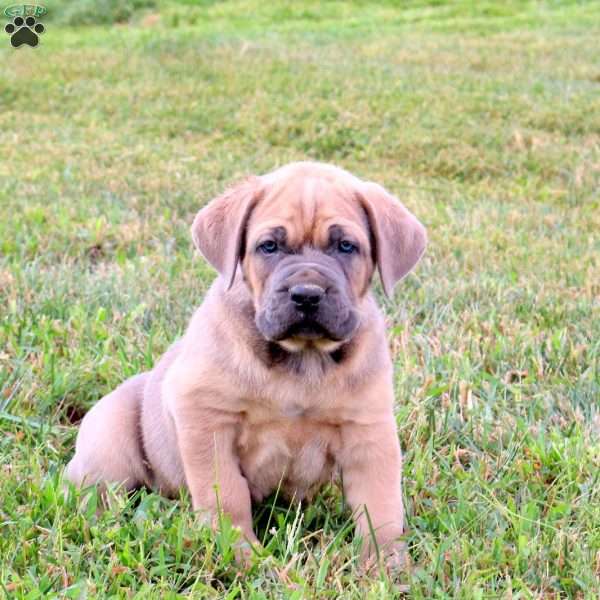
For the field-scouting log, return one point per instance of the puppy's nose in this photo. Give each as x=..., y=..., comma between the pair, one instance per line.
x=306, y=296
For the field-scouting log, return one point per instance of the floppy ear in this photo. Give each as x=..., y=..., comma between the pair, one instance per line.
x=400, y=238
x=219, y=228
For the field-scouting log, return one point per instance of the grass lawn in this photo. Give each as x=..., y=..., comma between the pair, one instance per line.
x=483, y=117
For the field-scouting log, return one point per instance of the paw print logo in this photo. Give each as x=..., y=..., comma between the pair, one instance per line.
x=24, y=30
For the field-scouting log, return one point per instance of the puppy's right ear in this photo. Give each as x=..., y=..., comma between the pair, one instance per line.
x=219, y=228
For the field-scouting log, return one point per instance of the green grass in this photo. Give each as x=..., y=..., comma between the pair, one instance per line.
x=483, y=117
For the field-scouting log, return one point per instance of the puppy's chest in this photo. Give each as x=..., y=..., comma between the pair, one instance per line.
x=293, y=454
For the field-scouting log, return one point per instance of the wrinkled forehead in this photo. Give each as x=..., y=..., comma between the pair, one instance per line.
x=308, y=207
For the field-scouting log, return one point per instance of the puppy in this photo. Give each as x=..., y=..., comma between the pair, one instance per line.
x=283, y=378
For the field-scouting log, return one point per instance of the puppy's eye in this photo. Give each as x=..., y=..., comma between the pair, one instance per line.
x=347, y=247
x=268, y=247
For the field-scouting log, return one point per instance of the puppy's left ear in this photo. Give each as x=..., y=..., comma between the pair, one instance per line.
x=400, y=238
x=219, y=228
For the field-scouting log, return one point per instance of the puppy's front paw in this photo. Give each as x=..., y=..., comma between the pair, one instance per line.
x=394, y=558
x=245, y=549
x=397, y=558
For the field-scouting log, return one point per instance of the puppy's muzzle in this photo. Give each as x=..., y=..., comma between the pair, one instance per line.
x=307, y=299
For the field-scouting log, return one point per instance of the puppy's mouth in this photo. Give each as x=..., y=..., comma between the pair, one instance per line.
x=308, y=329
x=306, y=332
x=308, y=335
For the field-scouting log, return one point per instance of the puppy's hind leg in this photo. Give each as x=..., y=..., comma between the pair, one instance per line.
x=109, y=445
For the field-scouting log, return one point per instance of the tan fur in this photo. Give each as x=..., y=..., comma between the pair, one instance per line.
x=214, y=411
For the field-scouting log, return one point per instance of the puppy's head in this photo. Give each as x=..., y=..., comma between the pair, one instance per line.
x=307, y=239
